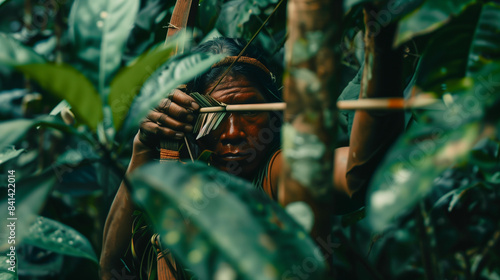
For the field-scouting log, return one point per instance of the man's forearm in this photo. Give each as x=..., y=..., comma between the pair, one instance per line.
x=373, y=132
x=118, y=227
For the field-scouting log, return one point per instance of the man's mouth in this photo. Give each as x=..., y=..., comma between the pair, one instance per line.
x=234, y=156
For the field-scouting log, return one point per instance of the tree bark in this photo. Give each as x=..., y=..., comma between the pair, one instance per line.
x=311, y=90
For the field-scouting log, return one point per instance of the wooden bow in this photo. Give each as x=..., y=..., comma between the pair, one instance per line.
x=182, y=17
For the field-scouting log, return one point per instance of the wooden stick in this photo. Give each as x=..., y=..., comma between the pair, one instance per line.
x=361, y=104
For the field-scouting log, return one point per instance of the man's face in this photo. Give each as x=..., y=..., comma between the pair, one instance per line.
x=236, y=142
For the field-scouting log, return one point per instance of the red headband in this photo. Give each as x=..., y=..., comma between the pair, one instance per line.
x=244, y=59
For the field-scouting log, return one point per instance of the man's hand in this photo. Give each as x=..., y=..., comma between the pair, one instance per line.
x=170, y=120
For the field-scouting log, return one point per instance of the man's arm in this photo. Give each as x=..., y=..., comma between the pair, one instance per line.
x=373, y=132
x=118, y=227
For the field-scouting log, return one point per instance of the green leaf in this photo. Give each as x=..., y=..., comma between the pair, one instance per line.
x=178, y=71
x=5, y=273
x=65, y=82
x=389, y=10
x=235, y=17
x=429, y=17
x=30, y=195
x=14, y=130
x=442, y=139
x=129, y=80
x=9, y=153
x=13, y=53
x=98, y=32
x=477, y=65
x=57, y=237
x=60, y=80
x=209, y=11
x=218, y=224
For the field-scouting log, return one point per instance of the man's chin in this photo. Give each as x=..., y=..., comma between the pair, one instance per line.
x=236, y=168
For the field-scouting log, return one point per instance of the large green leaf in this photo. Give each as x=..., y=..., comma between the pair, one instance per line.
x=30, y=195
x=127, y=83
x=467, y=48
x=57, y=237
x=429, y=17
x=424, y=152
x=5, y=273
x=209, y=11
x=65, y=82
x=468, y=77
x=99, y=31
x=8, y=154
x=60, y=80
x=178, y=71
x=220, y=225
x=14, y=130
x=13, y=53
x=235, y=19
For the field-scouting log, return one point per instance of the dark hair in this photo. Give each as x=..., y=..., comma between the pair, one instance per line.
x=232, y=47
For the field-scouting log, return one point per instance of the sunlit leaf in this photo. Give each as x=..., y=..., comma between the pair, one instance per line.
x=30, y=195
x=217, y=223
x=429, y=17
x=177, y=72
x=65, y=82
x=57, y=237
x=98, y=32
x=128, y=82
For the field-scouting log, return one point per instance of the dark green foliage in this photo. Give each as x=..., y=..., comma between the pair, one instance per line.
x=218, y=224
x=432, y=208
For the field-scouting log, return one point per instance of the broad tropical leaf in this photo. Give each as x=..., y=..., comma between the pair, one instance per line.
x=57, y=237
x=428, y=18
x=408, y=172
x=444, y=63
x=99, y=31
x=8, y=154
x=5, y=273
x=13, y=53
x=467, y=76
x=30, y=197
x=235, y=17
x=65, y=82
x=14, y=130
x=209, y=11
x=218, y=224
x=127, y=83
x=177, y=72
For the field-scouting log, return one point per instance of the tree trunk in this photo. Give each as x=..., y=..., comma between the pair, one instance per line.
x=311, y=90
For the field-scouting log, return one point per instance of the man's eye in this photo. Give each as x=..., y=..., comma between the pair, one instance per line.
x=250, y=113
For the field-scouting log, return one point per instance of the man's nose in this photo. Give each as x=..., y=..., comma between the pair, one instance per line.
x=233, y=132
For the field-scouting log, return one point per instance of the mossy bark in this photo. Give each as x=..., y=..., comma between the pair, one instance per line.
x=311, y=90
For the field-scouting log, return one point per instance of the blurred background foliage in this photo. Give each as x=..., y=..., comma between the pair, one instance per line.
x=70, y=72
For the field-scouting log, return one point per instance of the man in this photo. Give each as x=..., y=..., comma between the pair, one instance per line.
x=237, y=145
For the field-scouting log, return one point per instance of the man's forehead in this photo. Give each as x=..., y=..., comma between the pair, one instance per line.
x=237, y=90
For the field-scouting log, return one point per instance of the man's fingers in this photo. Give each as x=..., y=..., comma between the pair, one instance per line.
x=164, y=120
x=184, y=100
x=170, y=108
x=151, y=133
